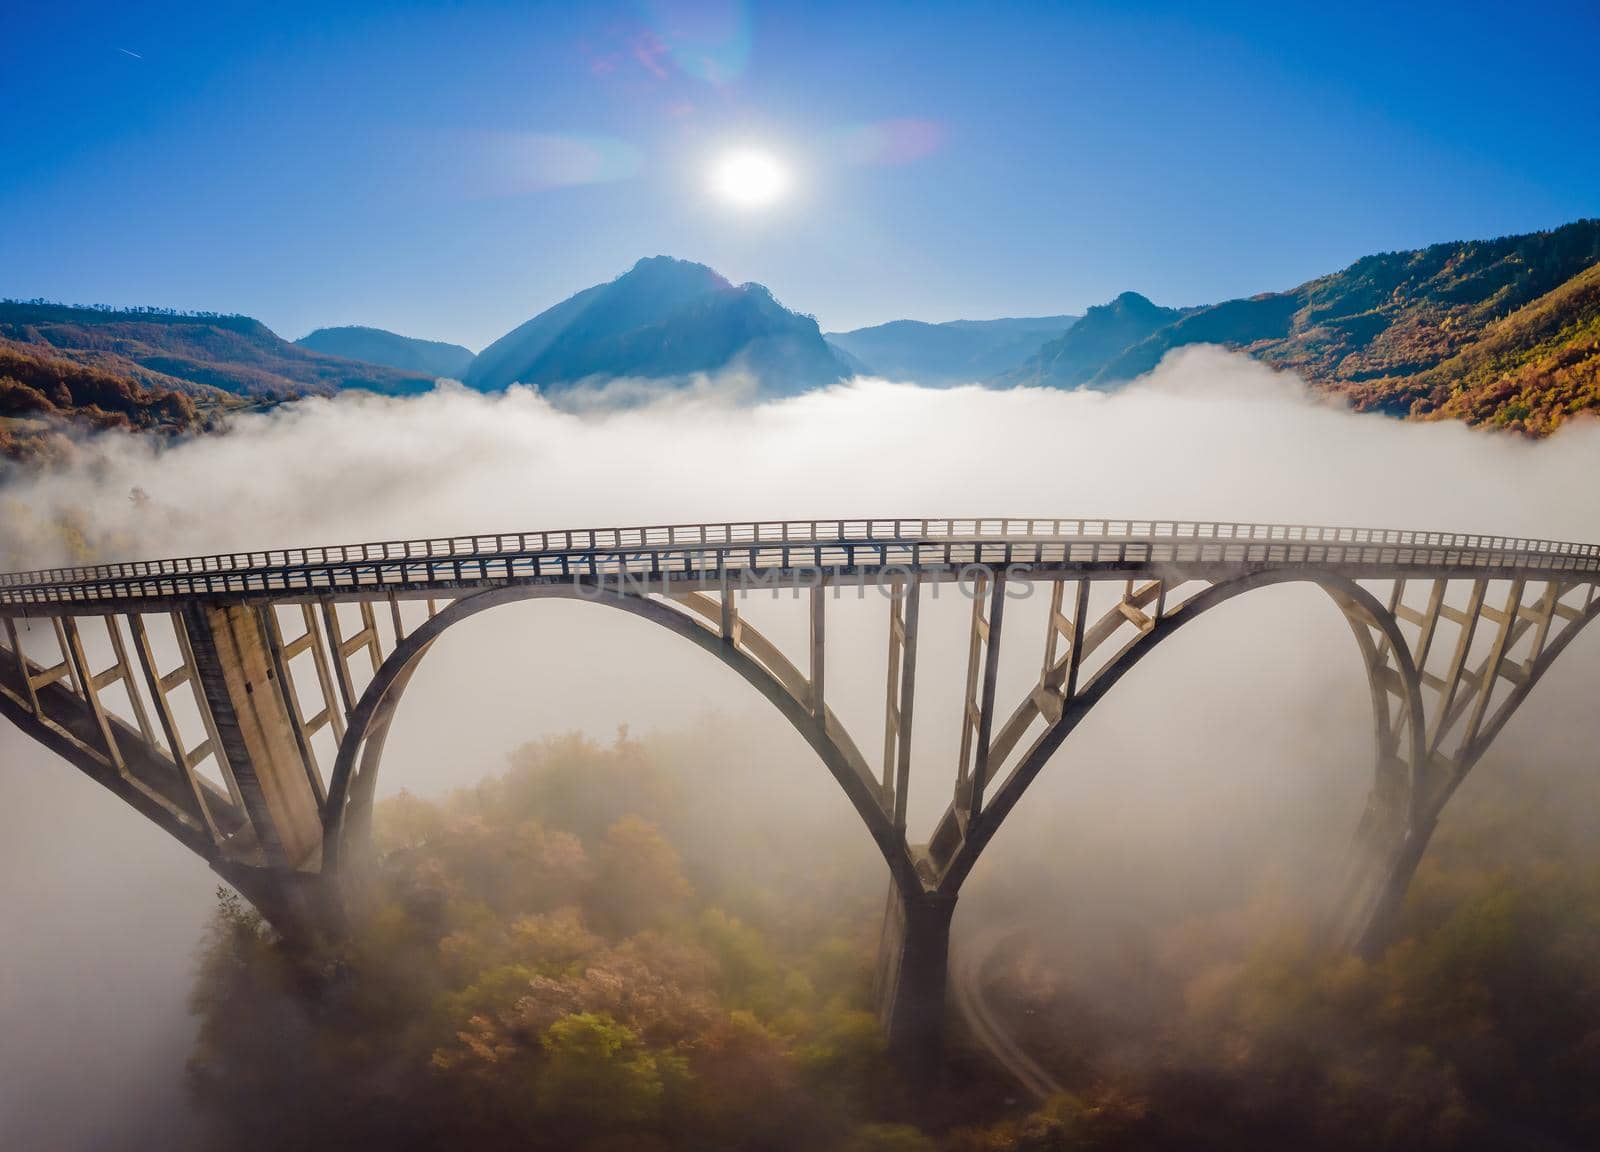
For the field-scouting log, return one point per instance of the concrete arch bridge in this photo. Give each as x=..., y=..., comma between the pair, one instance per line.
x=242, y=701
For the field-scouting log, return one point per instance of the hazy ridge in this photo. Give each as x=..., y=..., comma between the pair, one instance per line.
x=955, y=352
x=377, y=346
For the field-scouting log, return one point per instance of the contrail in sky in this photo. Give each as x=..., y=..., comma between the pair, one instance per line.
x=135, y=55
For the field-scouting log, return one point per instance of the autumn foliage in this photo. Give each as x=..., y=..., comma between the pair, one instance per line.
x=558, y=958
x=41, y=395
x=541, y=966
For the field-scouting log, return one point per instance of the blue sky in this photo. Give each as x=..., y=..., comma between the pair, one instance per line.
x=447, y=170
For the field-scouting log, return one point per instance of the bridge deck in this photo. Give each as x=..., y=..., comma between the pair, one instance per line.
x=690, y=554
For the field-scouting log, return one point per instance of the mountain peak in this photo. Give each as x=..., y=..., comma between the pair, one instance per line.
x=1132, y=302
x=687, y=274
x=1076, y=357
x=663, y=318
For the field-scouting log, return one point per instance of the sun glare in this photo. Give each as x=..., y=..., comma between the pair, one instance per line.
x=749, y=179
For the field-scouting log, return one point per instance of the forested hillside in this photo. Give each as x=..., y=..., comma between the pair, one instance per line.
x=1530, y=370
x=43, y=395
x=1500, y=332
x=193, y=352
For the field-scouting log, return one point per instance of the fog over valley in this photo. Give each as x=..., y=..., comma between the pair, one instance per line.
x=1224, y=776
x=743, y=576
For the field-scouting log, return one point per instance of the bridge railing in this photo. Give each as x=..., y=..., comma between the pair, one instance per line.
x=780, y=532
x=807, y=531
x=685, y=548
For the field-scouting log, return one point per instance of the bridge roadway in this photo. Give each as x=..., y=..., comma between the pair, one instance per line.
x=939, y=548
x=208, y=691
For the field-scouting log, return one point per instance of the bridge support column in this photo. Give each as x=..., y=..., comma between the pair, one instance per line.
x=1384, y=920
x=261, y=748
x=1388, y=846
x=913, y=957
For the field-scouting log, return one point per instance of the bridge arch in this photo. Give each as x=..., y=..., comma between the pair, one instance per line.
x=1395, y=803
x=1441, y=791
x=1434, y=806
x=351, y=785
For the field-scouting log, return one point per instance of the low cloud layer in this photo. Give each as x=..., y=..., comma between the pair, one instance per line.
x=1209, y=435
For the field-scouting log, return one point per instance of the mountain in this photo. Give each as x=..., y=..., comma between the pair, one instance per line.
x=664, y=318
x=1504, y=332
x=955, y=352
x=1077, y=357
x=193, y=352
x=375, y=346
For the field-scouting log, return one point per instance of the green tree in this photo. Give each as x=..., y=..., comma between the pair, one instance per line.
x=597, y=1074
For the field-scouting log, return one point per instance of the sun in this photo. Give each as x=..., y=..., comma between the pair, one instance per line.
x=749, y=178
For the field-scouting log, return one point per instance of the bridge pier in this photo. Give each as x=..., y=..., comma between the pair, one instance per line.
x=258, y=738
x=301, y=906
x=909, y=989
x=269, y=765
x=1381, y=923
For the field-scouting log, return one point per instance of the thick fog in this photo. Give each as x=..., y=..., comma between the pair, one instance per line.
x=1237, y=756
